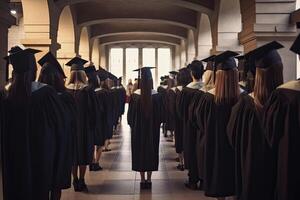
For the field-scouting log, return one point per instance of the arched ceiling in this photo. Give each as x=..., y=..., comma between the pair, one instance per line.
x=144, y=20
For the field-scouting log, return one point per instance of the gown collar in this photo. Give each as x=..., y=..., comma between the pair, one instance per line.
x=195, y=85
x=36, y=86
x=138, y=92
x=291, y=85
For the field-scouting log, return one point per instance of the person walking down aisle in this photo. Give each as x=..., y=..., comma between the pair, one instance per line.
x=86, y=121
x=189, y=130
x=53, y=75
x=282, y=124
x=213, y=114
x=254, y=162
x=99, y=137
x=144, y=119
x=32, y=125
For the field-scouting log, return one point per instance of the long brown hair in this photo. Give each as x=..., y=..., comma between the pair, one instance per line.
x=266, y=81
x=53, y=78
x=146, y=100
x=227, y=86
x=78, y=77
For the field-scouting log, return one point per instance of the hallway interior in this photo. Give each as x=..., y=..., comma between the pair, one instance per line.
x=118, y=182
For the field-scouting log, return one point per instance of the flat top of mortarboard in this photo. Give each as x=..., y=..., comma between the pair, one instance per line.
x=90, y=69
x=224, y=56
x=173, y=72
x=210, y=58
x=77, y=61
x=296, y=45
x=260, y=52
x=22, y=60
x=15, y=49
x=143, y=68
x=225, y=60
x=50, y=58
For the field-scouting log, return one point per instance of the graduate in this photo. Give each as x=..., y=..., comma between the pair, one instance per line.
x=53, y=75
x=99, y=137
x=105, y=102
x=282, y=124
x=86, y=121
x=162, y=90
x=171, y=105
x=183, y=79
x=144, y=119
x=32, y=126
x=213, y=114
x=254, y=162
x=122, y=98
x=189, y=132
x=116, y=102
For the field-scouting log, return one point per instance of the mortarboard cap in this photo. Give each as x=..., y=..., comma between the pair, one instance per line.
x=76, y=63
x=52, y=61
x=266, y=55
x=90, y=69
x=225, y=60
x=145, y=73
x=173, y=73
x=22, y=60
x=102, y=74
x=296, y=45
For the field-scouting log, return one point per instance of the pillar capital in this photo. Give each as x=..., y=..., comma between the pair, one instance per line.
x=6, y=19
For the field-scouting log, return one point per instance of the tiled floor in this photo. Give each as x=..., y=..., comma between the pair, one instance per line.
x=118, y=182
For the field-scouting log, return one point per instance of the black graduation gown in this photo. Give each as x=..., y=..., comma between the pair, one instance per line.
x=30, y=134
x=184, y=100
x=122, y=99
x=109, y=111
x=116, y=105
x=254, y=163
x=171, y=109
x=145, y=134
x=196, y=136
x=103, y=113
x=86, y=105
x=219, y=171
x=282, y=123
x=163, y=92
x=66, y=144
x=178, y=125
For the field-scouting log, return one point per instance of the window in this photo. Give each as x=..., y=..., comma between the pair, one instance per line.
x=164, y=61
x=149, y=60
x=116, y=61
x=132, y=63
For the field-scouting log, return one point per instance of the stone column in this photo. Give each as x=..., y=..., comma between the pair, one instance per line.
x=124, y=66
x=6, y=20
x=156, y=66
x=140, y=57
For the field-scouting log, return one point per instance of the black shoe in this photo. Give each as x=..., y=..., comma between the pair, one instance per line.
x=82, y=186
x=180, y=167
x=92, y=167
x=76, y=185
x=148, y=185
x=143, y=185
x=192, y=186
x=97, y=167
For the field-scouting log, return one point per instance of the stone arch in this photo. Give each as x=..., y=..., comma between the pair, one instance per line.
x=84, y=44
x=95, y=52
x=191, y=48
x=229, y=25
x=204, y=40
x=66, y=36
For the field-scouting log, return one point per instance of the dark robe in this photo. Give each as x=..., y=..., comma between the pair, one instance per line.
x=189, y=129
x=254, y=163
x=197, y=140
x=86, y=105
x=109, y=111
x=122, y=99
x=105, y=121
x=116, y=105
x=219, y=171
x=66, y=144
x=171, y=109
x=179, y=124
x=145, y=134
x=30, y=133
x=162, y=90
x=282, y=123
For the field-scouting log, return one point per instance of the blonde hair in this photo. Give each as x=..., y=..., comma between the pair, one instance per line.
x=266, y=80
x=227, y=86
x=78, y=77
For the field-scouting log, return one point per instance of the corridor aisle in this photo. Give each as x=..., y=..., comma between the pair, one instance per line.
x=118, y=182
